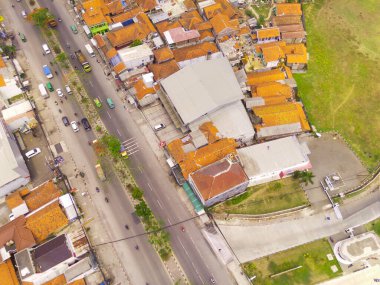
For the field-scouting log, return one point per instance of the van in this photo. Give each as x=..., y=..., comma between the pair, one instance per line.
x=110, y=103
x=46, y=49
x=89, y=50
x=43, y=91
x=33, y=152
x=87, y=31
x=49, y=87
x=68, y=89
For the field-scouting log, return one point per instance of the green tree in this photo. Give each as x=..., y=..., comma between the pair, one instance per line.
x=305, y=176
x=142, y=210
x=136, y=43
x=40, y=16
x=8, y=50
x=137, y=193
x=112, y=143
x=261, y=20
x=61, y=57
x=57, y=49
x=249, y=13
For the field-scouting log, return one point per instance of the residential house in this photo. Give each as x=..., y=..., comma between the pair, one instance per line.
x=269, y=93
x=221, y=6
x=179, y=37
x=163, y=55
x=192, y=20
x=10, y=91
x=164, y=69
x=144, y=90
x=224, y=26
x=293, y=33
x=96, y=13
x=8, y=273
x=219, y=181
x=20, y=117
x=280, y=120
x=13, y=171
x=255, y=78
x=134, y=57
x=272, y=56
x=273, y=160
x=296, y=56
x=278, y=21
x=147, y=5
x=288, y=9
x=197, y=53
x=268, y=35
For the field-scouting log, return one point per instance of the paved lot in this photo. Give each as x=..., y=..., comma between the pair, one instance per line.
x=330, y=155
x=156, y=114
x=363, y=277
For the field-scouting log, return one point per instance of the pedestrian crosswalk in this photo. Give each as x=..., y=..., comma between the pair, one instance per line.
x=130, y=146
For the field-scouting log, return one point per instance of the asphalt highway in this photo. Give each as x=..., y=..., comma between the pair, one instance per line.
x=192, y=251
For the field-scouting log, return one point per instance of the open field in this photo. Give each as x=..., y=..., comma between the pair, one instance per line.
x=265, y=198
x=341, y=90
x=315, y=267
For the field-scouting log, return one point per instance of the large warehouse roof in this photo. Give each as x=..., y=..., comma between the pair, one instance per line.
x=201, y=88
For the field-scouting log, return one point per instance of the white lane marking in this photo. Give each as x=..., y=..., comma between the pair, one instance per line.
x=150, y=187
x=90, y=82
x=159, y=204
x=100, y=99
x=118, y=132
x=109, y=115
x=170, y=223
x=184, y=248
x=191, y=261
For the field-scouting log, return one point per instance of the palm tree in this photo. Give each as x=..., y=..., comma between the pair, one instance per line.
x=304, y=176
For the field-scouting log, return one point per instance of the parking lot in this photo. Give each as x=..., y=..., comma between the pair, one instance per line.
x=156, y=114
x=329, y=155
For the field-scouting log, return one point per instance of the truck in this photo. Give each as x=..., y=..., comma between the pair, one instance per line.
x=47, y=71
x=100, y=172
x=83, y=61
x=89, y=50
x=43, y=91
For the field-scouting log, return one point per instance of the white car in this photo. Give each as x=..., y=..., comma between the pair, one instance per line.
x=32, y=152
x=23, y=13
x=159, y=127
x=74, y=126
x=68, y=89
x=11, y=217
x=59, y=92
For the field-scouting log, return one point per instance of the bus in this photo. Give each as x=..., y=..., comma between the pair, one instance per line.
x=87, y=31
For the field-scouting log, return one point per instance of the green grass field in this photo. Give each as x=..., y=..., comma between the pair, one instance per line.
x=312, y=257
x=374, y=226
x=341, y=89
x=265, y=198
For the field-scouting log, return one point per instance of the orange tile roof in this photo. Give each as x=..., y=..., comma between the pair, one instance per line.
x=295, y=53
x=189, y=5
x=2, y=63
x=163, y=70
x=147, y=5
x=291, y=28
x=93, y=17
x=258, y=47
x=111, y=53
x=287, y=9
x=2, y=81
x=15, y=230
x=273, y=100
x=8, y=273
x=206, y=34
x=166, y=26
x=293, y=35
x=190, y=20
x=194, y=160
x=127, y=15
x=13, y=200
x=244, y=31
x=281, y=114
x=203, y=26
x=42, y=195
x=286, y=20
x=272, y=53
x=255, y=78
x=271, y=89
x=46, y=221
x=218, y=178
x=163, y=54
x=59, y=280
x=142, y=90
x=221, y=6
x=212, y=10
x=194, y=51
x=210, y=132
x=221, y=22
x=78, y=282
x=268, y=33
x=119, y=68
x=99, y=40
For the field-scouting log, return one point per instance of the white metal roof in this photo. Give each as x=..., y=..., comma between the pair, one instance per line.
x=202, y=88
x=16, y=110
x=132, y=53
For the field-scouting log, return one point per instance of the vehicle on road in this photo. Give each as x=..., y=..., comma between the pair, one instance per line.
x=83, y=61
x=22, y=37
x=47, y=71
x=106, y=199
x=65, y=121
x=52, y=23
x=33, y=152
x=86, y=124
x=87, y=31
x=46, y=48
x=110, y=103
x=159, y=127
x=49, y=87
x=74, y=126
x=11, y=217
x=182, y=228
x=97, y=103
x=100, y=172
x=74, y=29
x=68, y=89
x=127, y=227
x=89, y=50
x=23, y=14
x=59, y=92
x=43, y=91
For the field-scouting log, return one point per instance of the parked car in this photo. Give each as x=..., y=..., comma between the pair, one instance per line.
x=86, y=124
x=22, y=37
x=49, y=87
x=23, y=14
x=97, y=103
x=159, y=127
x=68, y=89
x=32, y=152
x=65, y=121
x=74, y=126
x=46, y=49
x=59, y=92
x=74, y=29
x=110, y=103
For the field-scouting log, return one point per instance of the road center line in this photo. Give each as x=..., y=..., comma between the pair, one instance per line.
x=159, y=204
x=90, y=82
x=109, y=115
x=150, y=188
x=117, y=130
x=170, y=223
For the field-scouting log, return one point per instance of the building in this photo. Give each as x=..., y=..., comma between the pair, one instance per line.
x=8, y=273
x=223, y=26
x=134, y=57
x=219, y=181
x=196, y=53
x=179, y=37
x=20, y=117
x=13, y=171
x=288, y=9
x=268, y=35
x=274, y=160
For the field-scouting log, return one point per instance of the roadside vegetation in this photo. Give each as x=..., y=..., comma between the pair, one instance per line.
x=265, y=198
x=374, y=226
x=302, y=265
x=340, y=89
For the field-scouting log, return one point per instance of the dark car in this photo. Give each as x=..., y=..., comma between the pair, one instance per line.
x=86, y=124
x=65, y=121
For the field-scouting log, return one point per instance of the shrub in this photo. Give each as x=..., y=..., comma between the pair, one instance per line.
x=249, y=13
x=137, y=193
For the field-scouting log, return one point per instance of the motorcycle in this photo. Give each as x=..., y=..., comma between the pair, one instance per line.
x=127, y=227
x=97, y=189
x=106, y=199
